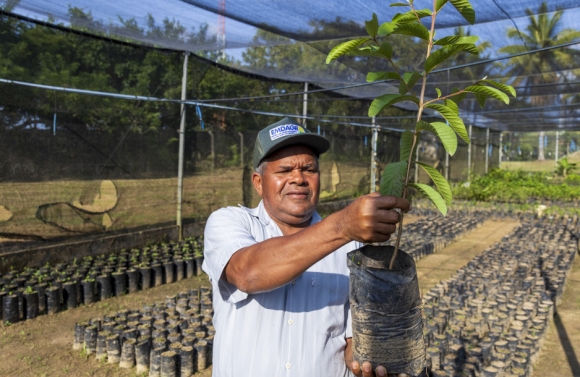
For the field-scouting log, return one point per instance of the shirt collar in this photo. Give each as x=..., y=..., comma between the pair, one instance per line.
x=262, y=215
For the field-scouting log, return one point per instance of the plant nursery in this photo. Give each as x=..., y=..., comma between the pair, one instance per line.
x=125, y=125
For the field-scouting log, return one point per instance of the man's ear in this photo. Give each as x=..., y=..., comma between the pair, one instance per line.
x=257, y=181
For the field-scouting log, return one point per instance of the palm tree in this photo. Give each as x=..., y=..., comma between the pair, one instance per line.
x=541, y=67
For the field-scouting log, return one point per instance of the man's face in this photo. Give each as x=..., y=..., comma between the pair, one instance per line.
x=290, y=185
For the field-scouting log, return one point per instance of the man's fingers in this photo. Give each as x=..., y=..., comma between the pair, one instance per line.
x=381, y=371
x=367, y=369
x=355, y=368
x=390, y=202
x=388, y=216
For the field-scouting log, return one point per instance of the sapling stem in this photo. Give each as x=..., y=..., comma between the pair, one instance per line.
x=415, y=137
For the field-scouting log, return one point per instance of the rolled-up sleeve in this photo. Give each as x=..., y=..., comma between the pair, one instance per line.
x=226, y=231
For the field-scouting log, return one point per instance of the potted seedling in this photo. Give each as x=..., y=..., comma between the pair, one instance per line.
x=384, y=293
x=30, y=303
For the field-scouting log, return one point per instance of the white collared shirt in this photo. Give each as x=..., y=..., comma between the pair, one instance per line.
x=298, y=329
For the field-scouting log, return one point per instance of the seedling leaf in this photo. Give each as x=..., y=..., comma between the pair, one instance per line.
x=452, y=105
x=376, y=76
x=465, y=9
x=413, y=29
x=344, y=48
x=439, y=4
x=410, y=16
x=432, y=195
x=409, y=80
x=386, y=28
x=455, y=39
x=505, y=88
x=488, y=92
x=393, y=178
x=387, y=100
x=454, y=120
x=440, y=182
x=444, y=132
x=445, y=53
x=406, y=143
x=372, y=26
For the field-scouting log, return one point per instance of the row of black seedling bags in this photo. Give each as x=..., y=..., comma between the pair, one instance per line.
x=491, y=317
x=171, y=338
x=429, y=235
x=51, y=289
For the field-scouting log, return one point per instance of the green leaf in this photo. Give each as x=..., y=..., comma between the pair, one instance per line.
x=384, y=51
x=455, y=39
x=445, y=53
x=432, y=195
x=439, y=180
x=372, y=26
x=376, y=76
x=410, y=16
x=439, y=4
x=465, y=9
x=481, y=98
x=387, y=100
x=386, y=28
x=393, y=179
x=438, y=92
x=452, y=105
x=505, y=88
x=409, y=80
x=454, y=120
x=399, y=5
x=458, y=97
x=344, y=48
x=415, y=30
x=488, y=92
x=443, y=131
x=406, y=143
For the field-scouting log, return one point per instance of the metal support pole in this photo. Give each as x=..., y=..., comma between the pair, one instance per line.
x=447, y=154
x=305, y=104
x=469, y=155
x=181, y=150
x=374, y=156
x=486, y=150
x=557, y=142
x=241, y=148
x=500, y=150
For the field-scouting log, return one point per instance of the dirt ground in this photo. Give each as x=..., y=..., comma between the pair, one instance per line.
x=43, y=346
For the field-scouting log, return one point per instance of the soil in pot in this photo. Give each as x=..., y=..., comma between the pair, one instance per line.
x=386, y=310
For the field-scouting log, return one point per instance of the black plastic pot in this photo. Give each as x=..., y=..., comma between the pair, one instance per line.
x=169, y=269
x=120, y=283
x=142, y=353
x=198, y=264
x=11, y=312
x=88, y=289
x=30, y=305
x=169, y=364
x=104, y=287
x=128, y=354
x=189, y=267
x=69, y=294
x=145, y=277
x=53, y=296
x=133, y=280
x=201, y=352
x=386, y=310
x=157, y=274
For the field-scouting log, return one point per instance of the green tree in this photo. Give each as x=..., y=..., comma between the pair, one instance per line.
x=541, y=67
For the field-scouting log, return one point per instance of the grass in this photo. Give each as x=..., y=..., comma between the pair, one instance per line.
x=538, y=166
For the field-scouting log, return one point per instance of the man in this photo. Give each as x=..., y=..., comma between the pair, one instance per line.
x=279, y=271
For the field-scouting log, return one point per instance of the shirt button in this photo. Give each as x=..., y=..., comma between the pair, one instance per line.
x=290, y=322
x=287, y=365
x=293, y=282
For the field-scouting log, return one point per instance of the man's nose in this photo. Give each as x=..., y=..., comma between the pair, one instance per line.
x=297, y=177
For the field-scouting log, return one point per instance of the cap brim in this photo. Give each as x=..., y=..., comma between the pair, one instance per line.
x=318, y=143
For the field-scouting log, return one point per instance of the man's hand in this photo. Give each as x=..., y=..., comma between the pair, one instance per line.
x=372, y=218
x=366, y=370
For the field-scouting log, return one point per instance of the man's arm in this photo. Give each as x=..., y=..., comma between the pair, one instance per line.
x=277, y=261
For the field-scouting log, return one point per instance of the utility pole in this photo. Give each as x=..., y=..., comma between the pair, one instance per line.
x=486, y=150
x=469, y=155
x=181, y=150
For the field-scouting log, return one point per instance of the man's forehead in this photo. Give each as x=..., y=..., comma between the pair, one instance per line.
x=293, y=152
